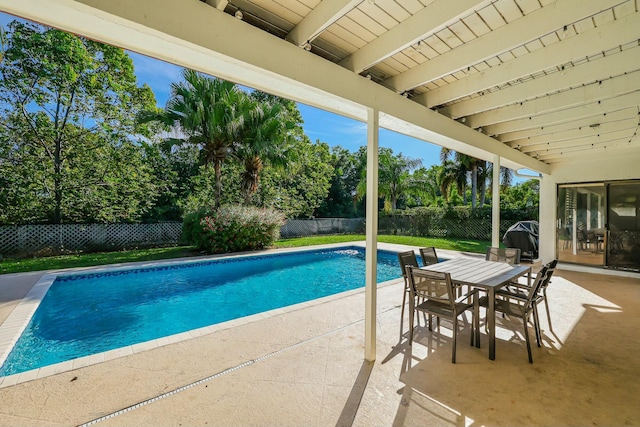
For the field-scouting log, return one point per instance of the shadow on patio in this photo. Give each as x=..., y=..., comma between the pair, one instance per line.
x=304, y=367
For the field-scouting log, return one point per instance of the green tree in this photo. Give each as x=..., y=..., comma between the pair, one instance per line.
x=267, y=138
x=341, y=200
x=427, y=186
x=453, y=176
x=299, y=189
x=468, y=164
x=67, y=106
x=174, y=165
x=394, y=178
x=521, y=196
x=210, y=113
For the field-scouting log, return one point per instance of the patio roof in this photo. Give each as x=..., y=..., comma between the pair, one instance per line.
x=536, y=82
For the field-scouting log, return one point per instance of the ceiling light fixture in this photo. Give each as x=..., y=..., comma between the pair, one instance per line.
x=238, y=14
x=307, y=46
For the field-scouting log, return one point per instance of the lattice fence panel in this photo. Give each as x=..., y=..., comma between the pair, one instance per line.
x=312, y=227
x=55, y=238
x=477, y=229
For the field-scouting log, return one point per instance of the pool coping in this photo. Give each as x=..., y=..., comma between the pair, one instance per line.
x=15, y=324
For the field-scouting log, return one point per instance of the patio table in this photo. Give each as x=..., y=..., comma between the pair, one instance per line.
x=486, y=275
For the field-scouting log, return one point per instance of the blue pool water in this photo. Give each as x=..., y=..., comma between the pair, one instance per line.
x=85, y=314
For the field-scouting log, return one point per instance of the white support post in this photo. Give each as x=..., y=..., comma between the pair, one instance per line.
x=371, y=258
x=495, y=203
x=588, y=211
x=574, y=225
x=600, y=209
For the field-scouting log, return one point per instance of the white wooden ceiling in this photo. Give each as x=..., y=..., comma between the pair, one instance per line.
x=556, y=80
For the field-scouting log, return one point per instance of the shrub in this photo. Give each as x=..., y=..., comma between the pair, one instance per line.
x=232, y=228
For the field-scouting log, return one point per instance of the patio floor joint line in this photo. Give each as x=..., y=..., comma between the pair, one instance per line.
x=219, y=374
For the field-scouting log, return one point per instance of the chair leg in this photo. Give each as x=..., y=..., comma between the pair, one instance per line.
x=404, y=303
x=411, y=326
x=476, y=317
x=546, y=306
x=536, y=324
x=526, y=336
x=455, y=335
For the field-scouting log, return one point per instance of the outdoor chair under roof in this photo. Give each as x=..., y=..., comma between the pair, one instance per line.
x=429, y=256
x=509, y=255
x=517, y=288
x=437, y=292
x=405, y=258
x=522, y=305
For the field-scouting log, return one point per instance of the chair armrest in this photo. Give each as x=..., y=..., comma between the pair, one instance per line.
x=473, y=293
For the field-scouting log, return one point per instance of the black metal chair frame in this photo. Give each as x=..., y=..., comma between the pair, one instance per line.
x=521, y=304
x=405, y=258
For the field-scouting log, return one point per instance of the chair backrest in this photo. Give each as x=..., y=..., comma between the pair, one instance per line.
x=428, y=255
x=551, y=267
x=509, y=255
x=434, y=285
x=541, y=277
x=407, y=258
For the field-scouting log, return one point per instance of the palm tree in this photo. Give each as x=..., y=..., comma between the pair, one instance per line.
x=453, y=174
x=394, y=177
x=210, y=113
x=266, y=139
x=467, y=163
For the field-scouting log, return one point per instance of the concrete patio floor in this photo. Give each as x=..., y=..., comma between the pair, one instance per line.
x=304, y=367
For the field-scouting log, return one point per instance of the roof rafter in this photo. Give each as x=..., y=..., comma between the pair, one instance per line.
x=599, y=118
x=218, y=4
x=581, y=133
x=430, y=19
x=530, y=27
x=596, y=91
x=617, y=64
x=599, y=39
x=589, y=109
x=571, y=153
x=322, y=16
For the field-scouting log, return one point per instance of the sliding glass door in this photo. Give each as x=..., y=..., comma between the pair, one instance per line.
x=623, y=249
x=581, y=228
x=599, y=224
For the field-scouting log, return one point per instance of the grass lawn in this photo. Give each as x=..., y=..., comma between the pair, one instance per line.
x=102, y=258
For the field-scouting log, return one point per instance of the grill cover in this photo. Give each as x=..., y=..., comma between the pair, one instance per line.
x=524, y=236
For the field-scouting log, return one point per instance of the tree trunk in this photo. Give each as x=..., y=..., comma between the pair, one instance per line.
x=217, y=168
x=474, y=186
x=57, y=183
x=483, y=183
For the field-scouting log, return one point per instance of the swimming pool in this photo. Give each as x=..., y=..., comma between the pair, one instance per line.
x=87, y=313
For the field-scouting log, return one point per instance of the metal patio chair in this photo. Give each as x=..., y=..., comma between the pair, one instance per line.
x=429, y=256
x=405, y=258
x=509, y=255
x=522, y=305
x=438, y=299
